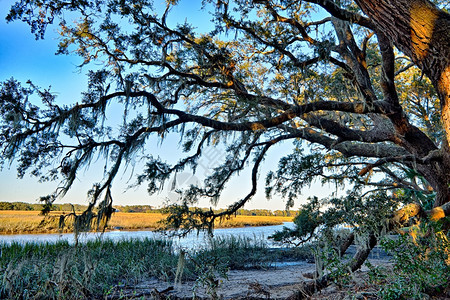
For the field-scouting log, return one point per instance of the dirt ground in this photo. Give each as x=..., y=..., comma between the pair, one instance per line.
x=277, y=282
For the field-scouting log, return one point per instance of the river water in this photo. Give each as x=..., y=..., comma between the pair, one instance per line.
x=191, y=241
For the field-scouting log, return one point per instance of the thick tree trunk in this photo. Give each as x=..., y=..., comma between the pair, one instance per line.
x=422, y=31
x=437, y=173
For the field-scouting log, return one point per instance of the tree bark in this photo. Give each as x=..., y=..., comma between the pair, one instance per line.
x=422, y=32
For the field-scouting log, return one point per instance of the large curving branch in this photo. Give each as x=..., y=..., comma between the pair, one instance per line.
x=344, y=14
x=347, y=148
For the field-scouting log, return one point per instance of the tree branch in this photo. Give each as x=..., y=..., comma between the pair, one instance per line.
x=343, y=14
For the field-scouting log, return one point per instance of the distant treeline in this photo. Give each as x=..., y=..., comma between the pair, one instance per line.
x=39, y=207
x=135, y=208
x=240, y=212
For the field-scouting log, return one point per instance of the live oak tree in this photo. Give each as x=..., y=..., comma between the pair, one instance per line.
x=360, y=88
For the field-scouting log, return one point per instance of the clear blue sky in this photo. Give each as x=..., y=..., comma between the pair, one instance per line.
x=24, y=58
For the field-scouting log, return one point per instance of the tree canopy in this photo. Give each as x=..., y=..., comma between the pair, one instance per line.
x=360, y=91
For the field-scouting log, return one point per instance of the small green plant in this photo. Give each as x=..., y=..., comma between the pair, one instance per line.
x=421, y=265
x=211, y=270
x=337, y=267
x=377, y=274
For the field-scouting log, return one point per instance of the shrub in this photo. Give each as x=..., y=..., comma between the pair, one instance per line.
x=421, y=265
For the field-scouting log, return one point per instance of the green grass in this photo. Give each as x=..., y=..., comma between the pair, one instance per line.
x=93, y=269
x=241, y=252
x=96, y=269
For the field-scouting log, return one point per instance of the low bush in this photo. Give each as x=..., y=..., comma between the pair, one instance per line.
x=421, y=267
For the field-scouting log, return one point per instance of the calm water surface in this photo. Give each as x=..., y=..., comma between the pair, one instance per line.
x=191, y=241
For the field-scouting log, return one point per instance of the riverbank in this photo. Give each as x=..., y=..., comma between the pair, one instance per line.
x=26, y=222
x=278, y=282
x=227, y=268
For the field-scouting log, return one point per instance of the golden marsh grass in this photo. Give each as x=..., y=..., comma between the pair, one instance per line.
x=15, y=222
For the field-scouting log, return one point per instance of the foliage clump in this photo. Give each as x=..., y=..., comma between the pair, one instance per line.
x=418, y=254
x=421, y=266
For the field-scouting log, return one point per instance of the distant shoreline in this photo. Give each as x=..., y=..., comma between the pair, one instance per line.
x=31, y=222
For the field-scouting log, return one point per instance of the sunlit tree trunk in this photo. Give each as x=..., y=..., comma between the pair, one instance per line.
x=422, y=31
